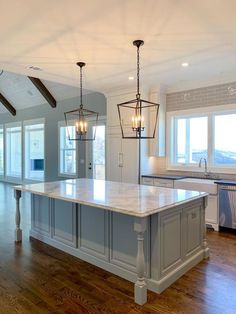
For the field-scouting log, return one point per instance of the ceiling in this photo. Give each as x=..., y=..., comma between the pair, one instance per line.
x=21, y=92
x=55, y=34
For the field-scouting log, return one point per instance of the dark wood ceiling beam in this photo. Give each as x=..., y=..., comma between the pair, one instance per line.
x=7, y=105
x=44, y=91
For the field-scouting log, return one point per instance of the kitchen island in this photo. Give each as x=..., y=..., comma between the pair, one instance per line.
x=145, y=234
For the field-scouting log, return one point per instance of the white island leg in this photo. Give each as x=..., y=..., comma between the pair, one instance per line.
x=205, y=247
x=140, y=290
x=18, y=231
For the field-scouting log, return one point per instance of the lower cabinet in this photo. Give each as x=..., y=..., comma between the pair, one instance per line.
x=64, y=222
x=212, y=213
x=93, y=231
x=41, y=214
x=176, y=235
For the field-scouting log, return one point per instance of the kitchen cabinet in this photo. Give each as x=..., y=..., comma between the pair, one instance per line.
x=160, y=182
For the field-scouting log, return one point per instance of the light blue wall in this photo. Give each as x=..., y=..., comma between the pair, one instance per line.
x=93, y=101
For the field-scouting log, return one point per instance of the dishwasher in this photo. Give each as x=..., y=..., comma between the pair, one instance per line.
x=227, y=206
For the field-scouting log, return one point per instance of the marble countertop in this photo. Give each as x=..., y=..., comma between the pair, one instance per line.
x=164, y=176
x=130, y=199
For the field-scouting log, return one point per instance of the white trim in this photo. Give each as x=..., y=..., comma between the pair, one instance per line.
x=26, y=123
x=210, y=112
x=59, y=173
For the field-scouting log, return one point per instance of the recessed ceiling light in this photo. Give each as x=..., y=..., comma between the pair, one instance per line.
x=34, y=67
x=185, y=64
x=131, y=78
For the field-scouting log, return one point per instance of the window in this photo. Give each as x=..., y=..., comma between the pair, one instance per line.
x=191, y=140
x=1, y=150
x=209, y=135
x=13, y=150
x=67, y=158
x=34, y=150
x=225, y=145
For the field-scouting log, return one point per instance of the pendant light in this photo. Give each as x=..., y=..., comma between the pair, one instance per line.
x=134, y=115
x=78, y=121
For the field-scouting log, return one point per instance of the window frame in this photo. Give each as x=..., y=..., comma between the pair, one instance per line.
x=65, y=174
x=7, y=176
x=210, y=112
x=25, y=124
x=2, y=127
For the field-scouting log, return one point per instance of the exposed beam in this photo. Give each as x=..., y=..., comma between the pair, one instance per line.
x=44, y=91
x=7, y=105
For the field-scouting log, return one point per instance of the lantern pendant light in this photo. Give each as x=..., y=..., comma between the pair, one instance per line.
x=78, y=120
x=134, y=114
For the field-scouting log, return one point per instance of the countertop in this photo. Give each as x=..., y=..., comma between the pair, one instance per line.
x=131, y=199
x=225, y=182
x=164, y=176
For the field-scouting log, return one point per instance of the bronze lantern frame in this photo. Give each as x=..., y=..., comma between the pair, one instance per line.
x=138, y=106
x=81, y=115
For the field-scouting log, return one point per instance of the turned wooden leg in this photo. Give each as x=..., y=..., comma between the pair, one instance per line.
x=18, y=231
x=204, y=243
x=140, y=290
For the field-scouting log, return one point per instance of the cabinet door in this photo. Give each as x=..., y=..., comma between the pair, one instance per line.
x=166, y=183
x=130, y=161
x=212, y=210
x=171, y=250
x=93, y=231
x=40, y=214
x=64, y=222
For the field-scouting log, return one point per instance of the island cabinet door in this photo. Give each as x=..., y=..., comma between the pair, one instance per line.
x=192, y=229
x=123, y=242
x=41, y=214
x=166, y=242
x=64, y=222
x=93, y=231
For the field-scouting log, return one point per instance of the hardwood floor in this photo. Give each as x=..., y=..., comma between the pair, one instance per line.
x=36, y=278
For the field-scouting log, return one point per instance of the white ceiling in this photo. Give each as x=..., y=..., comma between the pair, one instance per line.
x=21, y=92
x=55, y=34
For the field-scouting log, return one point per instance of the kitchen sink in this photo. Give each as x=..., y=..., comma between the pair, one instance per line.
x=197, y=184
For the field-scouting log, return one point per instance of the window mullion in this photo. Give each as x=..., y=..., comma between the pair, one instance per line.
x=187, y=143
x=211, y=140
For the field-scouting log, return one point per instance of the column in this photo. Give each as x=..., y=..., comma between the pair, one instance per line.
x=140, y=290
x=18, y=231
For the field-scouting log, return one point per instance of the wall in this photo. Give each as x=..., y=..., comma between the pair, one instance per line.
x=202, y=97
x=93, y=101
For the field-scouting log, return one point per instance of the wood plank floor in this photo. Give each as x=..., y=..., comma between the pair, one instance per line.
x=35, y=278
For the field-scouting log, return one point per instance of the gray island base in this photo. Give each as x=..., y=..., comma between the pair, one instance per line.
x=148, y=235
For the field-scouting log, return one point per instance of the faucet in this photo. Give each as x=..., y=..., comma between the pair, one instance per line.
x=200, y=164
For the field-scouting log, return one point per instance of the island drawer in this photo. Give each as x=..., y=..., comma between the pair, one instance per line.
x=164, y=183
x=147, y=181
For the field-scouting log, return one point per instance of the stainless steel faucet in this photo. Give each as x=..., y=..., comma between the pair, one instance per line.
x=200, y=164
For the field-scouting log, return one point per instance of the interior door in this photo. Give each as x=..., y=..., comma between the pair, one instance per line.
x=96, y=154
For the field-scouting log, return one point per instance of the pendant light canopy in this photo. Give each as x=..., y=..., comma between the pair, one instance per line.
x=135, y=114
x=78, y=121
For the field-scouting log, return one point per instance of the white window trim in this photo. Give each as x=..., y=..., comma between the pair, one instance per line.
x=27, y=123
x=15, y=179
x=197, y=112
x=4, y=151
x=62, y=174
